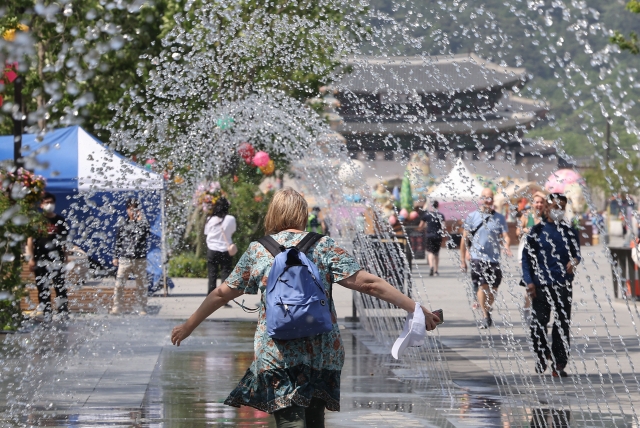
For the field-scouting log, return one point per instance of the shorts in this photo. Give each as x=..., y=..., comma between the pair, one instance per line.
x=484, y=272
x=432, y=244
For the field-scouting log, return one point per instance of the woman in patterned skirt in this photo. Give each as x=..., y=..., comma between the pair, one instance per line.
x=296, y=379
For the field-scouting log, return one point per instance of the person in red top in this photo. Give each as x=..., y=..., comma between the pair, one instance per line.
x=47, y=259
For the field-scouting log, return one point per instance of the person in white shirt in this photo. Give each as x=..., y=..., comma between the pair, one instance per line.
x=219, y=231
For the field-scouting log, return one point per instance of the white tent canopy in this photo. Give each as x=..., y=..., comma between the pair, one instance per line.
x=459, y=185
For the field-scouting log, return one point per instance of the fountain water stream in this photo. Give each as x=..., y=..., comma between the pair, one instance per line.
x=230, y=72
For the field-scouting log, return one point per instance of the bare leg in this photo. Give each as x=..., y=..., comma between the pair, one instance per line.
x=436, y=262
x=485, y=298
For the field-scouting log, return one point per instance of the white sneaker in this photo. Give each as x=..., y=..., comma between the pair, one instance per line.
x=142, y=312
x=115, y=311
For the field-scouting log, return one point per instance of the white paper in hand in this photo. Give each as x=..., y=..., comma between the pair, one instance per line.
x=413, y=333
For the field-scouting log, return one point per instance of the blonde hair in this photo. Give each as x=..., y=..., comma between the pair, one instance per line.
x=539, y=194
x=287, y=210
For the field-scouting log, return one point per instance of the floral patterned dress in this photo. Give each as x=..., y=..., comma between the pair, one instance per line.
x=291, y=372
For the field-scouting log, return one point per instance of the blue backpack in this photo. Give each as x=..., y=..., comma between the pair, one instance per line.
x=297, y=304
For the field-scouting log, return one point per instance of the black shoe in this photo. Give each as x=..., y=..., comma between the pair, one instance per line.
x=431, y=272
x=559, y=373
x=436, y=274
x=486, y=323
x=540, y=367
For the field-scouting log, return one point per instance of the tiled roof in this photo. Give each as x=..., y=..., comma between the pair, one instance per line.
x=407, y=75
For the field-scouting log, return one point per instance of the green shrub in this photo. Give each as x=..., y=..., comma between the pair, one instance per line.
x=187, y=265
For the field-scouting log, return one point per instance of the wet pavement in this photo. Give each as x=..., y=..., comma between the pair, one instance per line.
x=99, y=370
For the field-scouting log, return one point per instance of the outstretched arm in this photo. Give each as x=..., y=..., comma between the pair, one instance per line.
x=366, y=283
x=214, y=301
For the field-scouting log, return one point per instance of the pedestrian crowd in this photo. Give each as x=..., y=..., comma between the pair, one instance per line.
x=295, y=373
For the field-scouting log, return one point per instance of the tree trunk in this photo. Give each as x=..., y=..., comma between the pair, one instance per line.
x=40, y=100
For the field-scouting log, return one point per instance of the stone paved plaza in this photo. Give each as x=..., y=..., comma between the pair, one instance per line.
x=100, y=370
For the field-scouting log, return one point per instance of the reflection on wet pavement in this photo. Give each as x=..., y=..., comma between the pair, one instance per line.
x=123, y=372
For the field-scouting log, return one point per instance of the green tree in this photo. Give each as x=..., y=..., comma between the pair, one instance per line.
x=19, y=220
x=406, y=198
x=616, y=177
x=630, y=44
x=82, y=57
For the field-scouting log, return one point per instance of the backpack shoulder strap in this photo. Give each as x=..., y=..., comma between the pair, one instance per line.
x=307, y=242
x=271, y=245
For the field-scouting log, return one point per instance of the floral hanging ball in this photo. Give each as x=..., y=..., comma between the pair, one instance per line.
x=246, y=152
x=269, y=168
x=261, y=159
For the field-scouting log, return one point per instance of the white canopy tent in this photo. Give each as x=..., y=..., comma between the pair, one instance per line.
x=457, y=193
x=459, y=185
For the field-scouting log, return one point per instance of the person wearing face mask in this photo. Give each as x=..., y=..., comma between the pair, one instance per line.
x=550, y=257
x=130, y=256
x=47, y=258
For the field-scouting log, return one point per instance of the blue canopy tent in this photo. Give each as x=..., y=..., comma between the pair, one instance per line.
x=92, y=184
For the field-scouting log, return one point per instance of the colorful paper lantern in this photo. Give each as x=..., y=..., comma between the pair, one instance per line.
x=261, y=159
x=269, y=168
x=413, y=215
x=404, y=213
x=392, y=220
x=557, y=181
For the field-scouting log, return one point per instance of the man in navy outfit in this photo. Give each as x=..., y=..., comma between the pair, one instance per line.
x=549, y=260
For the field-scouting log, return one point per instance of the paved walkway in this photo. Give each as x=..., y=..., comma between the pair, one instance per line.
x=99, y=370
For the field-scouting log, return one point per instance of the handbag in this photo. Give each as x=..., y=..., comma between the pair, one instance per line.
x=231, y=248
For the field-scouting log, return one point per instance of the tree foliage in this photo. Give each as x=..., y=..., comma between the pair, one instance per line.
x=630, y=44
x=563, y=47
x=84, y=55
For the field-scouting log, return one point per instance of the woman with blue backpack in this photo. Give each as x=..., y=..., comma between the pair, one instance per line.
x=299, y=356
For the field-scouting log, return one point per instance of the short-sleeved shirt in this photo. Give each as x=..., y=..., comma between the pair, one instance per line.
x=214, y=230
x=288, y=372
x=51, y=246
x=434, y=222
x=487, y=241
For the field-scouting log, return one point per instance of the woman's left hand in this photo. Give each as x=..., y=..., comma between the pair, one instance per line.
x=179, y=333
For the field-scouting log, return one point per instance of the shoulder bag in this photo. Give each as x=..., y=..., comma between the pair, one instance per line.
x=231, y=247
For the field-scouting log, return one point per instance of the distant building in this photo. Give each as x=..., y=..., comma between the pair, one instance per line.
x=453, y=106
x=443, y=104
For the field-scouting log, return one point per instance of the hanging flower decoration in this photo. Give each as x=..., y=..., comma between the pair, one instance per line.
x=261, y=159
x=207, y=195
x=246, y=152
x=148, y=165
x=23, y=184
x=269, y=168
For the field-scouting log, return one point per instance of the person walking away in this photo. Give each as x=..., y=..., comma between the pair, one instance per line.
x=47, y=258
x=485, y=232
x=294, y=379
x=552, y=252
x=526, y=223
x=219, y=231
x=313, y=223
x=433, y=221
x=130, y=256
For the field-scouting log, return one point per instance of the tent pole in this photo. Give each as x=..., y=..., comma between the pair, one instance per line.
x=163, y=245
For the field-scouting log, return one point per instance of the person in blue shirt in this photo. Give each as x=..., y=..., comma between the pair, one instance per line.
x=549, y=260
x=484, y=235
